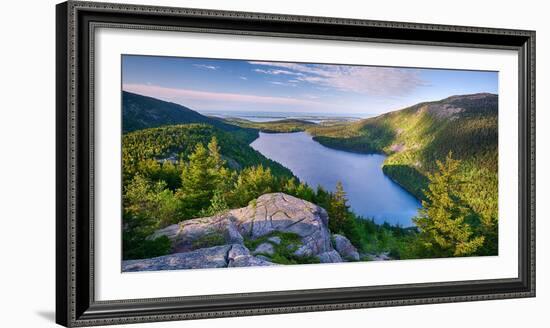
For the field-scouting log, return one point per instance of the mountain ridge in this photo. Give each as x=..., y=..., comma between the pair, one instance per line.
x=141, y=112
x=415, y=138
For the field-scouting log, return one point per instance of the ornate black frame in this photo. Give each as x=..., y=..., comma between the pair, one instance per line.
x=75, y=303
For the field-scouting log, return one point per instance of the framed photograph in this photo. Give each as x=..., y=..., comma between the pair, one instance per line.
x=214, y=163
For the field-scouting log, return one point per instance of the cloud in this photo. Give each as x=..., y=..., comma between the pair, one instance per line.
x=283, y=83
x=185, y=96
x=211, y=67
x=243, y=78
x=370, y=80
x=277, y=72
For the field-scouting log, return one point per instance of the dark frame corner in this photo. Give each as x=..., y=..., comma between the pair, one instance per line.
x=75, y=304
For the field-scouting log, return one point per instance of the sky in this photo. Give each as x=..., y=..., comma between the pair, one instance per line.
x=260, y=86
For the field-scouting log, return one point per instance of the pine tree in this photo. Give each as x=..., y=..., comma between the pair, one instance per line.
x=218, y=205
x=252, y=183
x=198, y=181
x=147, y=206
x=170, y=174
x=338, y=209
x=341, y=219
x=290, y=187
x=223, y=177
x=304, y=192
x=215, y=156
x=442, y=221
x=322, y=197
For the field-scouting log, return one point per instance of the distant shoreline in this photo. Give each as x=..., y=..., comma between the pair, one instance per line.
x=277, y=116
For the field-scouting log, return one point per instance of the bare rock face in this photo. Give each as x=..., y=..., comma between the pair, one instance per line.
x=200, y=233
x=344, y=247
x=268, y=214
x=249, y=260
x=275, y=240
x=330, y=257
x=284, y=213
x=213, y=257
x=218, y=241
x=234, y=255
x=265, y=248
x=239, y=256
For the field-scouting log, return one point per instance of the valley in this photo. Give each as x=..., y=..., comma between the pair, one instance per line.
x=374, y=176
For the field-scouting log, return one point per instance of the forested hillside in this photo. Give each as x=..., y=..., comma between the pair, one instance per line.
x=444, y=152
x=280, y=126
x=416, y=137
x=150, y=150
x=141, y=112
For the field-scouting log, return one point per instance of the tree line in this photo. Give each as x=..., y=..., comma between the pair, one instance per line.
x=161, y=193
x=202, y=184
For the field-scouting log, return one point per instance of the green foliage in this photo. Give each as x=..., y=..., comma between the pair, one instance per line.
x=200, y=178
x=218, y=205
x=341, y=219
x=284, y=251
x=141, y=112
x=416, y=137
x=408, y=177
x=252, y=183
x=149, y=204
x=211, y=239
x=400, y=243
x=136, y=248
x=338, y=209
x=445, y=222
x=204, y=187
x=356, y=137
x=280, y=126
x=173, y=173
x=147, y=207
x=158, y=153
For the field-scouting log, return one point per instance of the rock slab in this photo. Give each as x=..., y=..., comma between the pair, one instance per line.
x=199, y=233
x=218, y=241
x=344, y=247
x=234, y=255
x=284, y=213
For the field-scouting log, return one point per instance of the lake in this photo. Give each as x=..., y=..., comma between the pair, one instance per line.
x=370, y=193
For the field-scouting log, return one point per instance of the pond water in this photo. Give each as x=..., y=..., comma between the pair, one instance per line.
x=371, y=194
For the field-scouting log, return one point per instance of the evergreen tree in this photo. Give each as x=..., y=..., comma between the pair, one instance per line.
x=218, y=205
x=443, y=217
x=341, y=219
x=289, y=186
x=198, y=181
x=322, y=197
x=252, y=183
x=215, y=156
x=223, y=177
x=303, y=191
x=170, y=173
x=338, y=209
x=147, y=206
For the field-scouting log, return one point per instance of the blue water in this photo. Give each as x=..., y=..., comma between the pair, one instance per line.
x=371, y=194
x=276, y=116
